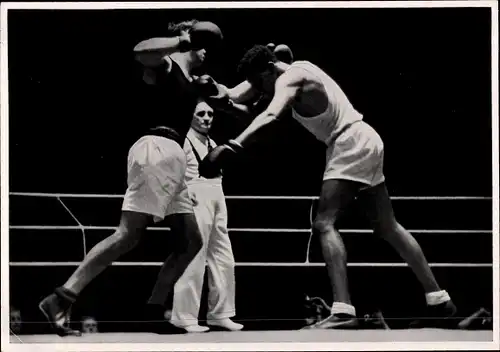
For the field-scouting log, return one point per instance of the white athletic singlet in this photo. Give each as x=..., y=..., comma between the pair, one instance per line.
x=339, y=113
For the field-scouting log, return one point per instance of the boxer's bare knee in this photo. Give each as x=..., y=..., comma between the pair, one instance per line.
x=335, y=196
x=324, y=228
x=323, y=223
x=330, y=240
x=131, y=228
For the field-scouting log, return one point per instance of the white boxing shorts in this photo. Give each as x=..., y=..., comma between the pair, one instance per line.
x=156, y=168
x=357, y=154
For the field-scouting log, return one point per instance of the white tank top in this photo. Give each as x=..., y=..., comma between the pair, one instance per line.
x=339, y=114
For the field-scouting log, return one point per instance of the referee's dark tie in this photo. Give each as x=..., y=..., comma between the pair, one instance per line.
x=209, y=145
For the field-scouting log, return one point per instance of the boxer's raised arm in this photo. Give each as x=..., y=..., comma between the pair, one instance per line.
x=154, y=52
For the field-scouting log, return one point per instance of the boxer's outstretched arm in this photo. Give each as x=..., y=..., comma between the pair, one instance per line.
x=242, y=93
x=238, y=110
x=287, y=88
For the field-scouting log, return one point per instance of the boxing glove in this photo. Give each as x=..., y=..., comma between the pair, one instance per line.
x=213, y=164
x=213, y=93
x=284, y=53
x=206, y=86
x=271, y=46
x=204, y=35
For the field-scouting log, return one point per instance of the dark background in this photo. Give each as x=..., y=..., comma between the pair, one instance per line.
x=421, y=77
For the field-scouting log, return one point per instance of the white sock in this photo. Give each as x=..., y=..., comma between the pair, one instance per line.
x=438, y=297
x=343, y=308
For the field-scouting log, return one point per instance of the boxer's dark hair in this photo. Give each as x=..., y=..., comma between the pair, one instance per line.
x=175, y=28
x=256, y=60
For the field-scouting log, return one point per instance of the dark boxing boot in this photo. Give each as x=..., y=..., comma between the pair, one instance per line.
x=57, y=308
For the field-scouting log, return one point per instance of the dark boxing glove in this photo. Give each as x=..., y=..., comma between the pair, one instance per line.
x=271, y=46
x=284, y=53
x=206, y=86
x=213, y=93
x=211, y=166
x=202, y=35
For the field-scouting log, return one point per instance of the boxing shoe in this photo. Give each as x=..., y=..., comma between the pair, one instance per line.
x=224, y=325
x=441, y=316
x=336, y=321
x=57, y=310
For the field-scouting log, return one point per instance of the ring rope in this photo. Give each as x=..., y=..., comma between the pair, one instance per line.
x=307, y=263
x=273, y=230
x=263, y=264
x=80, y=226
x=69, y=195
x=311, y=220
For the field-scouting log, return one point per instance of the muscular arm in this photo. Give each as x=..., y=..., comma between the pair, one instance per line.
x=235, y=108
x=242, y=93
x=240, y=111
x=152, y=52
x=286, y=90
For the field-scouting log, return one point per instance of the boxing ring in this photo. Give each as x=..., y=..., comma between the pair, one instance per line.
x=74, y=220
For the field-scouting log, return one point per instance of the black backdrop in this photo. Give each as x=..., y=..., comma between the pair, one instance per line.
x=421, y=77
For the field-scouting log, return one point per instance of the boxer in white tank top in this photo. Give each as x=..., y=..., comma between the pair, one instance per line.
x=354, y=168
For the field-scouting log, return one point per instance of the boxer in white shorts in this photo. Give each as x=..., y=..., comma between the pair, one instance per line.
x=354, y=168
x=156, y=167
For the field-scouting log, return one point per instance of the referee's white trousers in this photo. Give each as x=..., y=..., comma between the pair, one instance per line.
x=211, y=214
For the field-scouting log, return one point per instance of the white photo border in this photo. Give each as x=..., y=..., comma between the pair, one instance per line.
x=220, y=346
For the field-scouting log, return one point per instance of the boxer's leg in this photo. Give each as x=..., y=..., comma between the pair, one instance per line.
x=187, y=247
x=336, y=194
x=127, y=235
x=156, y=168
x=188, y=243
x=377, y=204
x=189, y=287
x=56, y=306
x=221, y=277
x=141, y=204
